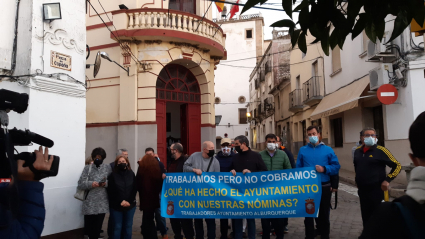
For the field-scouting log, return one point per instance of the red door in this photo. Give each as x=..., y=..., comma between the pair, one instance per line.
x=193, y=122
x=161, y=122
x=183, y=127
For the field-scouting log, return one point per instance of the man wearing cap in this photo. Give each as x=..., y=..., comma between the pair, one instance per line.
x=225, y=158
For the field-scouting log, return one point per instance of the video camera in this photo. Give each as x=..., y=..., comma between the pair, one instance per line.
x=18, y=102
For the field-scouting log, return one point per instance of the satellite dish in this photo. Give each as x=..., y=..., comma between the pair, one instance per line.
x=96, y=65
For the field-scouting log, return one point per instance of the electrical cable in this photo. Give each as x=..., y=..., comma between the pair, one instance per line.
x=119, y=39
x=296, y=63
x=239, y=4
x=40, y=73
x=116, y=38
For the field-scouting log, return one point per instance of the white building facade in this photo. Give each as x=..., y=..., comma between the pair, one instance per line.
x=244, y=44
x=352, y=76
x=57, y=105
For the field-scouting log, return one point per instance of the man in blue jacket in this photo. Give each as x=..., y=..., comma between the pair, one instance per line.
x=317, y=154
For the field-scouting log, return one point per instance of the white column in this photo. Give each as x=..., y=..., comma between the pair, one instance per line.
x=131, y=22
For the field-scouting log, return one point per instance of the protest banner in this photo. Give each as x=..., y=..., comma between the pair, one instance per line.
x=273, y=194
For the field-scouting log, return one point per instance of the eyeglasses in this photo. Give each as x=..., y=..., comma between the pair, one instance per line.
x=370, y=135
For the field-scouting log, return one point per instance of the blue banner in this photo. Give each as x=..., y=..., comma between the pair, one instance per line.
x=274, y=194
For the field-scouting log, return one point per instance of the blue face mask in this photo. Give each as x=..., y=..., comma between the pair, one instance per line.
x=313, y=139
x=369, y=141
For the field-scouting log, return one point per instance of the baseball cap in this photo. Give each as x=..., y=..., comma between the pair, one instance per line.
x=225, y=140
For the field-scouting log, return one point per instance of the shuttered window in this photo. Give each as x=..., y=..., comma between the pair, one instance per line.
x=336, y=59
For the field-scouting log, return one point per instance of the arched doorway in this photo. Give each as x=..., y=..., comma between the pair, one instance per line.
x=178, y=110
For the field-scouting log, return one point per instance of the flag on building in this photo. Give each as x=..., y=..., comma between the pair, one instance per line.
x=234, y=9
x=220, y=6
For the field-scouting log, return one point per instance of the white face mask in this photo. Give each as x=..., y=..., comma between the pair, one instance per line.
x=226, y=150
x=271, y=146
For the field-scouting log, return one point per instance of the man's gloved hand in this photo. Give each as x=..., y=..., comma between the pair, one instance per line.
x=42, y=162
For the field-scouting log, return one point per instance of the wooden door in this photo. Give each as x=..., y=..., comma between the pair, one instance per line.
x=183, y=127
x=193, y=123
x=161, y=124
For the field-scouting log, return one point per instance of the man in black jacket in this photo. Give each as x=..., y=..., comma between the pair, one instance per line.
x=370, y=161
x=225, y=159
x=245, y=161
x=176, y=166
x=405, y=216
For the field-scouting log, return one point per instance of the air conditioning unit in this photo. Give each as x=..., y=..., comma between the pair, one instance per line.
x=375, y=51
x=380, y=76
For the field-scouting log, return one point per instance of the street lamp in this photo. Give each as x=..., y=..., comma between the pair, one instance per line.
x=248, y=115
x=105, y=56
x=218, y=119
x=52, y=11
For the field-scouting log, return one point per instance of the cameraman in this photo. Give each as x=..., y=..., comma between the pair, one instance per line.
x=28, y=222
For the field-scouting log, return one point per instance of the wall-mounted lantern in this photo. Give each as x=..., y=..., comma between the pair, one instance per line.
x=52, y=11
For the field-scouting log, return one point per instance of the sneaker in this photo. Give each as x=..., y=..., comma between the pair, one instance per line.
x=285, y=230
x=165, y=236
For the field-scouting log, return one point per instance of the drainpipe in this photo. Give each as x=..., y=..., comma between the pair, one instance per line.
x=324, y=78
x=15, y=40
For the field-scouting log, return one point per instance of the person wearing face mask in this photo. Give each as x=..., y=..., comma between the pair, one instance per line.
x=225, y=158
x=198, y=163
x=96, y=205
x=274, y=159
x=404, y=217
x=245, y=161
x=370, y=161
x=176, y=166
x=122, y=199
x=322, y=157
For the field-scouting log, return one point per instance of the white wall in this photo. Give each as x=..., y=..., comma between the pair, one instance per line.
x=353, y=67
x=352, y=123
x=232, y=82
x=8, y=32
x=59, y=117
x=417, y=81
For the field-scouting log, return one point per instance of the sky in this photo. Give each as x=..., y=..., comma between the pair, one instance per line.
x=270, y=16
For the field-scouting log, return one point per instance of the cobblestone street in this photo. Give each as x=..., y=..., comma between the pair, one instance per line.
x=345, y=220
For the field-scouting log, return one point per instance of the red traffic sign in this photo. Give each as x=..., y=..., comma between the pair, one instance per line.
x=387, y=94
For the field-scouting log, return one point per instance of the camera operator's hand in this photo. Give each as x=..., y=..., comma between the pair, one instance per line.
x=42, y=162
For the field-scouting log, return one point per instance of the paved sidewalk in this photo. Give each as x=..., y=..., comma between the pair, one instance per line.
x=345, y=220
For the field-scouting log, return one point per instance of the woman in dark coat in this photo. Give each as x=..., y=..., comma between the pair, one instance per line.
x=122, y=199
x=149, y=184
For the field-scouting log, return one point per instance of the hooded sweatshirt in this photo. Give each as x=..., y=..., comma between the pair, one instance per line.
x=387, y=220
x=322, y=155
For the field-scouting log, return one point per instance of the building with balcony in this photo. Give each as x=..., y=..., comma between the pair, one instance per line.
x=272, y=68
x=282, y=47
x=307, y=90
x=350, y=103
x=244, y=40
x=170, y=50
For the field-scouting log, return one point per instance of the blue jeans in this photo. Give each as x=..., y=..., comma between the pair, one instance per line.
x=122, y=223
x=161, y=224
x=238, y=228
